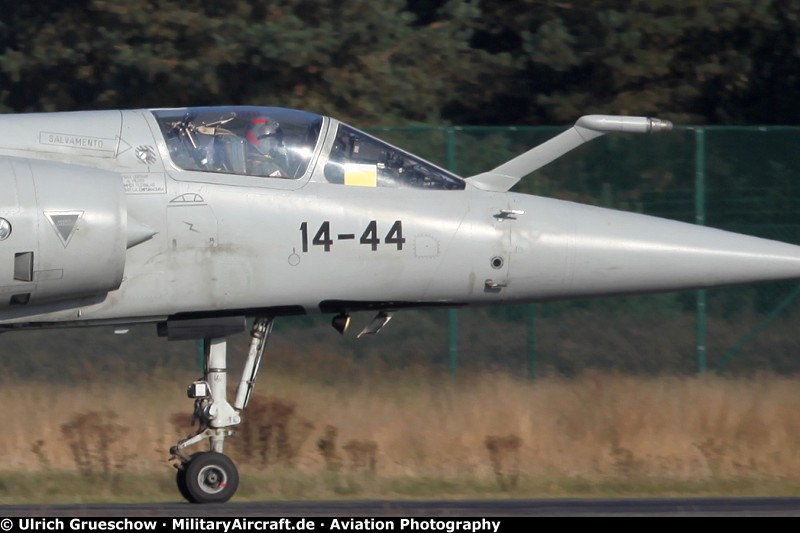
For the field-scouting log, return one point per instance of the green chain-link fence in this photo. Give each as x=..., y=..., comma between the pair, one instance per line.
x=743, y=179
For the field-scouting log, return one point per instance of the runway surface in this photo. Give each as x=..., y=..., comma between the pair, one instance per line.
x=440, y=509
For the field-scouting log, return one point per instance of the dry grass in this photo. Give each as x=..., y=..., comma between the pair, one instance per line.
x=595, y=428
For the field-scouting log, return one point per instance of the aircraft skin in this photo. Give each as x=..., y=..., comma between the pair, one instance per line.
x=222, y=242
x=233, y=243
x=124, y=217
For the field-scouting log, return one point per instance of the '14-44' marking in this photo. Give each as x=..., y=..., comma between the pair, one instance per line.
x=323, y=237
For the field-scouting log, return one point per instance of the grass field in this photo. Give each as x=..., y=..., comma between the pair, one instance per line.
x=419, y=436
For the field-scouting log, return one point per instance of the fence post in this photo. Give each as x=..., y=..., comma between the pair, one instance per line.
x=775, y=313
x=700, y=219
x=201, y=355
x=452, y=338
x=532, y=341
x=452, y=314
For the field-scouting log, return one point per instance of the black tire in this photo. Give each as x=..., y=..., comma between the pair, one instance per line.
x=210, y=478
x=180, y=481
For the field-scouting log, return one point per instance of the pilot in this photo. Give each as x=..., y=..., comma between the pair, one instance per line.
x=266, y=154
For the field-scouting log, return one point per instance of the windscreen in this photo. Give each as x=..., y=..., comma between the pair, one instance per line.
x=359, y=159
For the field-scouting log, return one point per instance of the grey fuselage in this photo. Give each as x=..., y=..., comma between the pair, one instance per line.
x=110, y=226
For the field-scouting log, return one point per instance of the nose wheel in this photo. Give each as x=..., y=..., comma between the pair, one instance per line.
x=207, y=477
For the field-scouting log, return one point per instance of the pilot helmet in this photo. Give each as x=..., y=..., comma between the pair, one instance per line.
x=265, y=134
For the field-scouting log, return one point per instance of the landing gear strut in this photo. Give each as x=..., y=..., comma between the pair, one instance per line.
x=211, y=476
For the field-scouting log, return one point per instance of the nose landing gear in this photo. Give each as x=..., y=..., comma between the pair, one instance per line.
x=211, y=476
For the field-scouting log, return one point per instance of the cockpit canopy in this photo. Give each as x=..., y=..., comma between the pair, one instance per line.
x=280, y=143
x=255, y=141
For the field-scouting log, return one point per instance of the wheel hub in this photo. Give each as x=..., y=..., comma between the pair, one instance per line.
x=212, y=479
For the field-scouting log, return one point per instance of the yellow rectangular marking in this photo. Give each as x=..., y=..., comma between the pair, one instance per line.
x=361, y=175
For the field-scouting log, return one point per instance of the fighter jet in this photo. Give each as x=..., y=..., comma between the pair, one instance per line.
x=197, y=219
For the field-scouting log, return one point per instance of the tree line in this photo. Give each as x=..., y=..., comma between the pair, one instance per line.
x=385, y=62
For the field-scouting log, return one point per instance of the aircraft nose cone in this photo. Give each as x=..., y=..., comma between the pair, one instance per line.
x=568, y=250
